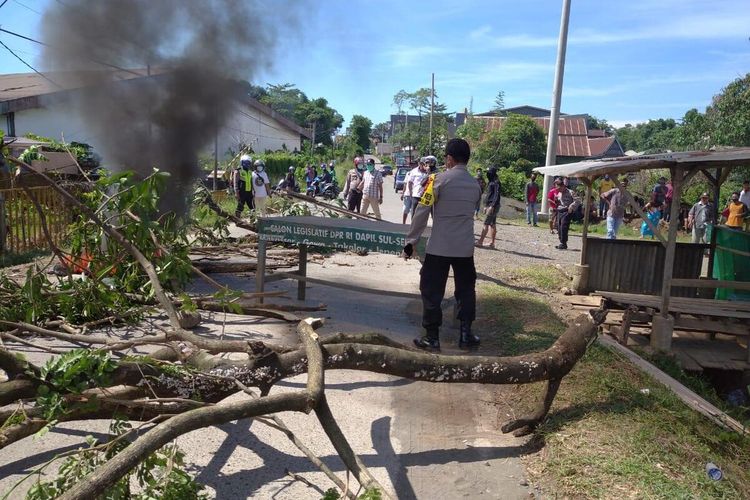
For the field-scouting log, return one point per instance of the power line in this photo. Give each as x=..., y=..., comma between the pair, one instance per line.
x=29, y=65
x=24, y=37
x=4, y=2
x=27, y=7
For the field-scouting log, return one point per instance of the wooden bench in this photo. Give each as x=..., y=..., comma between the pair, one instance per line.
x=704, y=315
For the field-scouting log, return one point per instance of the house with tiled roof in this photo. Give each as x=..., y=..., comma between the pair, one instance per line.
x=575, y=141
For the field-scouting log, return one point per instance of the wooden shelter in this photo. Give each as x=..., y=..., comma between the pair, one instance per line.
x=715, y=165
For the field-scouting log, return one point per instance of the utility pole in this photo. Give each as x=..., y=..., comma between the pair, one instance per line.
x=312, y=142
x=556, y=95
x=432, y=108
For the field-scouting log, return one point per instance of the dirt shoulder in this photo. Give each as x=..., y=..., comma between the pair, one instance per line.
x=606, y=436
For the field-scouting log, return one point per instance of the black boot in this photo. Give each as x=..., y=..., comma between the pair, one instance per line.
x=467, y=339
x=430, y=341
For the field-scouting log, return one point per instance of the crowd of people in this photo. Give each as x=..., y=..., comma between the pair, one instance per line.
x=363, y=192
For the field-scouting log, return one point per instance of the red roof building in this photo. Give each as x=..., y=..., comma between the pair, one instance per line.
x=575, y=141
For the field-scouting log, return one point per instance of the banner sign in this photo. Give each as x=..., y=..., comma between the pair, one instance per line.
x=341, y=234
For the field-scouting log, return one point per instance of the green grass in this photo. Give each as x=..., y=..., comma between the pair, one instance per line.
x=604, y=438
x=545, y=277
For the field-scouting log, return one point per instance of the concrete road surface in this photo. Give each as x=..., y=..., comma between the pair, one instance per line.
x=420, y=440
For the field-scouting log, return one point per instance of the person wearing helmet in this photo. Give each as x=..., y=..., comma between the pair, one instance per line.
x=243, y=185
x=450, y=197
x=290, y=181
x=261, y=187
x=353, y=186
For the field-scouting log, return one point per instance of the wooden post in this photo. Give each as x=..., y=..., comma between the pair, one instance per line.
x=586, y=210
x=302, y=271
x=260, y=270
x=717, y=194
x=674, y=222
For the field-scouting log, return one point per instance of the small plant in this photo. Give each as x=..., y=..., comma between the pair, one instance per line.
x=160, y=476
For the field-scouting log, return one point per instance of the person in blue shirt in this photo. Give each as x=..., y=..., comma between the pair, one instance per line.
x=654, y=215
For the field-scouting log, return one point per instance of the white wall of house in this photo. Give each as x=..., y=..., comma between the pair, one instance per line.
x=51, y=122
x=249, y=126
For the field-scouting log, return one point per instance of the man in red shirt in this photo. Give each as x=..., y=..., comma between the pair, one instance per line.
x=552, y=204
x=531, y=196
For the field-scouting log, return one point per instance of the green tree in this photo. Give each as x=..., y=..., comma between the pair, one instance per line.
x=729, y=114
x=499, y=103
x=401, y=98
x=593, y=122
x=382, y=131
x=518, y=138
x=359, y=130
x=293, y=104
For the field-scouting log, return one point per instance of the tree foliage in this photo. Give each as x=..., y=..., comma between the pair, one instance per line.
x=726, y=122
x=499, y=103
x=519, y=138
x=359, y=130
x=292, y=103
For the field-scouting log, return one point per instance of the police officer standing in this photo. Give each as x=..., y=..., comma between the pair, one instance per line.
x=451, y=198
x=243, y=185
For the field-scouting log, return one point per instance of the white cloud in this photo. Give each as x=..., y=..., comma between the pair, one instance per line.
x=480, y=32
x=715, y=24
x=402, y=56
x=496, y=74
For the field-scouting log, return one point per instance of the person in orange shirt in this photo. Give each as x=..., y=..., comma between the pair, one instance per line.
x=734, y=212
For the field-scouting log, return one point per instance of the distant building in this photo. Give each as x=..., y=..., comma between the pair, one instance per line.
x=399, y=122
x=575, y=142
x=29, y=103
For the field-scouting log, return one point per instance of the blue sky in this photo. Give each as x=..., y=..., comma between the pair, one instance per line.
x=628, y=61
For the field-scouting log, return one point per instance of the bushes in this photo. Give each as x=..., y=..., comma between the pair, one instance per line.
x=512, y=183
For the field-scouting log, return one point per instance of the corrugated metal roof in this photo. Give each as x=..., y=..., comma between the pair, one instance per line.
x=599, y=145
x=572, y=136
x=728, y=157
x=22, y=89
x=21, y=85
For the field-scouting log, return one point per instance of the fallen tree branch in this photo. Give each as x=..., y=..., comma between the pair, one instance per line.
x=95, y=483
x=113, y=233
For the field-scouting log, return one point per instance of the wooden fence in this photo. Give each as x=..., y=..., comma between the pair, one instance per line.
x=20, y=222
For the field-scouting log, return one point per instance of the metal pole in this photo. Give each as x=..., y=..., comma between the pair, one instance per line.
x=312, y=142
x=556, y=95
x=432, y=108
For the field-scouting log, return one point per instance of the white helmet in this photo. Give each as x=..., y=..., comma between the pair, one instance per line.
x=246, y=161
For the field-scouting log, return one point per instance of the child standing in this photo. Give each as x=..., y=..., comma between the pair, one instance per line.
x=654, y=215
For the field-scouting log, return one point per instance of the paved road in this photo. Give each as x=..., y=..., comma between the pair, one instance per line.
x=421, y=440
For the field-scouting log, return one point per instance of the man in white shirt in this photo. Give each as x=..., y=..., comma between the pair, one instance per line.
x=419, y=175
x=261, y=187
x=372, y=189
x=406, y=196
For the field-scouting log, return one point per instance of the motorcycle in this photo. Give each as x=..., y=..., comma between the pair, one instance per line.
x=329, y=190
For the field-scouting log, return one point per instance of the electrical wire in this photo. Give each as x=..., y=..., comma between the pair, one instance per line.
x=4, y=2
x=30, y=66
x=27, y=7
x=113, y=66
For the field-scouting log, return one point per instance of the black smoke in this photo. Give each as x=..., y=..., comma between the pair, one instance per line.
x=195, y=50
